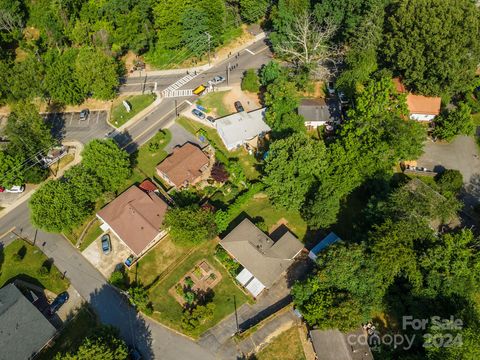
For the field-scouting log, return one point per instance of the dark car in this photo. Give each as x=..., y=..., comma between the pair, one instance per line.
x=84, y=114
x=211, y=119
x=129, y=261
x=198, y=114
x=106, y=244
x=238, y=106
x=58, y=302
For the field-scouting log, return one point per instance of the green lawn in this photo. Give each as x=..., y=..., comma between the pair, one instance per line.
x=263, y=208
x=137, y=102
x=23, y=261
x=476, y=119
x=147, y=159
x=72, y=335
x=92, y=234
x=248, y=162
x=168, y=311
x=277, y=349
x=214, y=102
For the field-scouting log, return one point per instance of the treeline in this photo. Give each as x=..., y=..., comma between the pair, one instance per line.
x=66, y=51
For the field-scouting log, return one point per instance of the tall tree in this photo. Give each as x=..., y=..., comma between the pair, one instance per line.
x=434, y=44
x=110, y=164
x=253, y=10
x=11, y=169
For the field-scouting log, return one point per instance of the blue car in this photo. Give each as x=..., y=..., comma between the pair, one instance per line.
x=106, y=244
x=198, y=114
x=58, y=302
x=129, y=261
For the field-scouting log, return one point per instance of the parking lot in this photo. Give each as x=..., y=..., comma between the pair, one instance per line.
x=69, y=126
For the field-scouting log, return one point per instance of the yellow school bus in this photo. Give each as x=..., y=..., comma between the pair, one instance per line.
x=199, y=90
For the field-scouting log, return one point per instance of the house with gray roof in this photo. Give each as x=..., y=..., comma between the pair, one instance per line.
x=242, y=128
x=264, y=260
x=23, y=328
x=319, y=112
x=334, y=345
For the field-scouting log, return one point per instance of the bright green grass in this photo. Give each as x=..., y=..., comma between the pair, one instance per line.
x=92, y=234
x=263, y=208
x=169, y=311
x=214, y=102
x=28, y=268
x=147, y=160
x=138, y=102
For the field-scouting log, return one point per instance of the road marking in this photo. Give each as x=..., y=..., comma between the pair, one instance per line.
x=98, y=115
x=71, y=118
x=250, y=51
x=188, y=102
x=7, y=232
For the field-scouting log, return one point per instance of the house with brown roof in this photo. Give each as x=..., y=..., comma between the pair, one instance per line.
x=264, y=261
x=421, y=108
x=135, y=217
x=184, y=166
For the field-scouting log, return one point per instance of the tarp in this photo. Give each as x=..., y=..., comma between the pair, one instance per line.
x=327, y=241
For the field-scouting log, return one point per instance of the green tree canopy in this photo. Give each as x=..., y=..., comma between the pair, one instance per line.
x=190, y=225
x=11, y=169
x=253, y=10
x=110, y=164
x=454, y=122
x=434, y=44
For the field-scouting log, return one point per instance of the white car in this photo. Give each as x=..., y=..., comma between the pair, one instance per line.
x=16, y=189
x=216, y=80
x=331, y=88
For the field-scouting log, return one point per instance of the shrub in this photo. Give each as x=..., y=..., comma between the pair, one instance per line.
x=139, y=298
x=454, y=122
x=43, y=271
x=250, y=81
x=450, y=181
x=157, y=141
x=189, y=297
x=230, y=264
x=189, y=282
x=219, y=173
x=118, y=279
x=192, y=319
x=35, y=175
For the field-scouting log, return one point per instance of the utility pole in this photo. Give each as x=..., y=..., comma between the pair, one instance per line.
x=208, y=39
x=228, y=73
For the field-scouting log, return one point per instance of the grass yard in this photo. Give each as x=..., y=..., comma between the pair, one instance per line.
x=213, y=102
x=151, y=154
x=157, y=262
x=137, y=102
x=262, y=207
x=168, y=311
x=476, y=119
x=286, y=346
x=72, y=335
x=93, y=233
x=24, y=261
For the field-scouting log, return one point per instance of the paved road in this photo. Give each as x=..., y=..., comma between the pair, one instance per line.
x=154, y=340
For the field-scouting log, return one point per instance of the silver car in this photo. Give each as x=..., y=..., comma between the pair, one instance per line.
x=216, y=80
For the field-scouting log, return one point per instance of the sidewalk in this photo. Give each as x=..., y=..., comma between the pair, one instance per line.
x=198, y=69
x=142, y=114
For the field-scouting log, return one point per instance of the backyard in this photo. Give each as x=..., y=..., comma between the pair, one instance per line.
x=277, y=349
x=20, y=260
x=169, y=311
x=152, y=153
x=137, y=102
x=214, y=103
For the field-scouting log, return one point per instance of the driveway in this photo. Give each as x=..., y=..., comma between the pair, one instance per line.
x=68, y=126
x=106, y=264
x=180, y=136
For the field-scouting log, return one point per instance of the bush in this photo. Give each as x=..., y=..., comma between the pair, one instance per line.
x=35, y=175
x=189, y=297
x=189, y=282
x=230, y=264
x=191, y=319
x=250, y=81
x=454, y=122
x=139, y=298
x=157, y=141
x=450, y=181
x=118, y=279
x=43, y=271
x=219, y=173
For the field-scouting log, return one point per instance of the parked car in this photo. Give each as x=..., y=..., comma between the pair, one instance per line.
x=106, y=244
x=13, y=189
x=129, y=261
x=331, y=88
x=84, y=114
x=238, y=106
x=211, y=119
x=216, y=80
x=198, y=114
x=58, y=302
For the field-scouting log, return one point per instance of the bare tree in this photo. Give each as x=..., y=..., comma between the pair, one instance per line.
x=8, y=22
x=307, y=45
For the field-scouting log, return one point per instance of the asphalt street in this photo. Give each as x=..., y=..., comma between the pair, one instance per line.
x=152, y=339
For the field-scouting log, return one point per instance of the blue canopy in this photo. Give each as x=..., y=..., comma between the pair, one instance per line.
x=326, y=242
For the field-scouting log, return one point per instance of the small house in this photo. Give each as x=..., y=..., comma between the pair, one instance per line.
x=420, y=108
x=319, y=112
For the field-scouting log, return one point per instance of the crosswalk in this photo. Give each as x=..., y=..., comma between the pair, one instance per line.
x=179, y=83
x=177, y=93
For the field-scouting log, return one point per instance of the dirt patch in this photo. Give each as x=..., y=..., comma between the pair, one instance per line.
x=317, y=90
x=129, y=59
x=250, y=101
x=200, y=280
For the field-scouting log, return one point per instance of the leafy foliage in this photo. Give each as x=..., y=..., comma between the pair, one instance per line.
x=454, y=122
x=450, y=181
x=432, y=44
x=250, y=81
x=190, y=224
x=200, y=313
x=139, y=298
